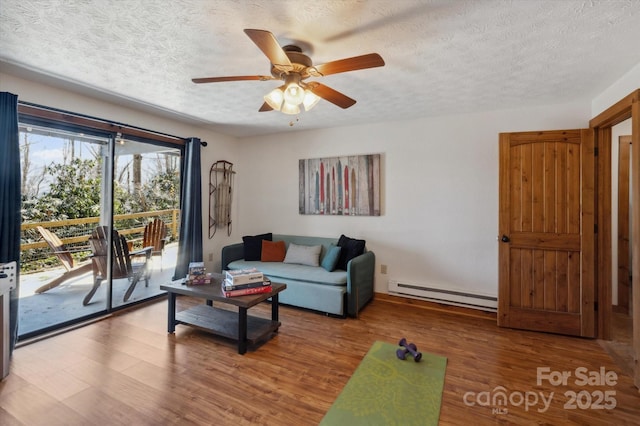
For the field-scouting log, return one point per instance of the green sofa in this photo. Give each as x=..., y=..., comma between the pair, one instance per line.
x=339, y=292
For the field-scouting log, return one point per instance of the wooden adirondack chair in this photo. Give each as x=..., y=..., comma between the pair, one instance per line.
x=132, y=265
x=64, y=255
x=155, y=235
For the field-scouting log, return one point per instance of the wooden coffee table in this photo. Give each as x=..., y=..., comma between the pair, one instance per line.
x=222, y=322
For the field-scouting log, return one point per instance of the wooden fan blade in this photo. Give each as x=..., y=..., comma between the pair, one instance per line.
x=235, y=78
x=265, y=107
x=371, y=60
x=331, y=95
x=270, y=47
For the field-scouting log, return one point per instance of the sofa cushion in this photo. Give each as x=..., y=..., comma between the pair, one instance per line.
x=273, y=251
x=303, y=255
x=253, y=245
x=351, y=248
x=330, y=259
x=275, y=270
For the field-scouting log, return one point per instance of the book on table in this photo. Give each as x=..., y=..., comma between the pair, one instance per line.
x=247, y=291
x=199, y=279
x=229, y=286
x=196, y=268
x=243, y=276
x=197, y=274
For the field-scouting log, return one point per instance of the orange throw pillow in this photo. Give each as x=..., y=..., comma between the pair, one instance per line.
x=273, y=251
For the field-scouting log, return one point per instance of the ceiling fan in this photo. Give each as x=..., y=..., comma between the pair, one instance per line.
x=290, y=65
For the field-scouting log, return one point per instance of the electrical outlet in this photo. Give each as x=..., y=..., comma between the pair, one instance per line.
x=210, y=257
x=383, y=269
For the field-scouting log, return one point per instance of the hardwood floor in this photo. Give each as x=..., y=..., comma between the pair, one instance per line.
x=128, y=370
x=620, y=347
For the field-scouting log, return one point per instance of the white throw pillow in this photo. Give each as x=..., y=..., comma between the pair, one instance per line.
x=303, y=255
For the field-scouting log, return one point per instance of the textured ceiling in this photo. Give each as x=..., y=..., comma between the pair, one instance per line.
x=441, y=56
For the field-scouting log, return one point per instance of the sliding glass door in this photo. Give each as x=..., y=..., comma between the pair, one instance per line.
x=87, y=199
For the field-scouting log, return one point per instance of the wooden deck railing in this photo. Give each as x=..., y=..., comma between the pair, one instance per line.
x=170, y=217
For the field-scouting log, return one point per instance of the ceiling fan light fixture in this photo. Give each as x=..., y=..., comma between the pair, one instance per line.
x=291, y=65
x=275, y=98
x=310, y=100
x=291, y=109
x=293, y=93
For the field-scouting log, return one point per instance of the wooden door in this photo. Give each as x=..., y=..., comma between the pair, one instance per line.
x=547, y=232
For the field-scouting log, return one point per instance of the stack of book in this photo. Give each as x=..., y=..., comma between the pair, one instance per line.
x=197, y=274
x=245, y=281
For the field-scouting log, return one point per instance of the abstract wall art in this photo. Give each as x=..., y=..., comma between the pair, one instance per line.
x=347, y=186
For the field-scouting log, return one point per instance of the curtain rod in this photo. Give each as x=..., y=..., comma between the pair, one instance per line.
x=121, y=126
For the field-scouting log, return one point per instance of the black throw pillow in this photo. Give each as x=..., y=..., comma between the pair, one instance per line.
x=351, y=248
x=253, y=245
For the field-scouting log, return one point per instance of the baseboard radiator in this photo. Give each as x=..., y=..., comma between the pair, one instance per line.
x=444, y=295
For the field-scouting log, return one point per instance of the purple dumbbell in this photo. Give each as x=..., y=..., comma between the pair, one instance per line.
x=402, y=353
x=408, y=348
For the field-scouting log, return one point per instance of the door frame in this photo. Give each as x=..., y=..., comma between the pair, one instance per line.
x=601, y=125
x=624, y=267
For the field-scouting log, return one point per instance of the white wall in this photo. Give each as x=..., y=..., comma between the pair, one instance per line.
x=439, y=182
x=220, y=147
x=618, y=90
x=439, y=190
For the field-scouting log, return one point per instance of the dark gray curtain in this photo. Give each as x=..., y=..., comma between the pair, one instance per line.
x=10, y=217
x=190, y=243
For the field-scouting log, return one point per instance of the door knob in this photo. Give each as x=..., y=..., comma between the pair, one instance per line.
x=505, y=239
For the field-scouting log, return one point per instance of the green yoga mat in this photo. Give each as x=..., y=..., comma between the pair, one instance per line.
x=385, y=390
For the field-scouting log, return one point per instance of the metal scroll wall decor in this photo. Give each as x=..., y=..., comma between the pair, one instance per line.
x=220, y=195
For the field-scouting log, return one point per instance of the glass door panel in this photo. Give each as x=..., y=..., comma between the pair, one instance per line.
x=62, y=195
x=146, y=202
